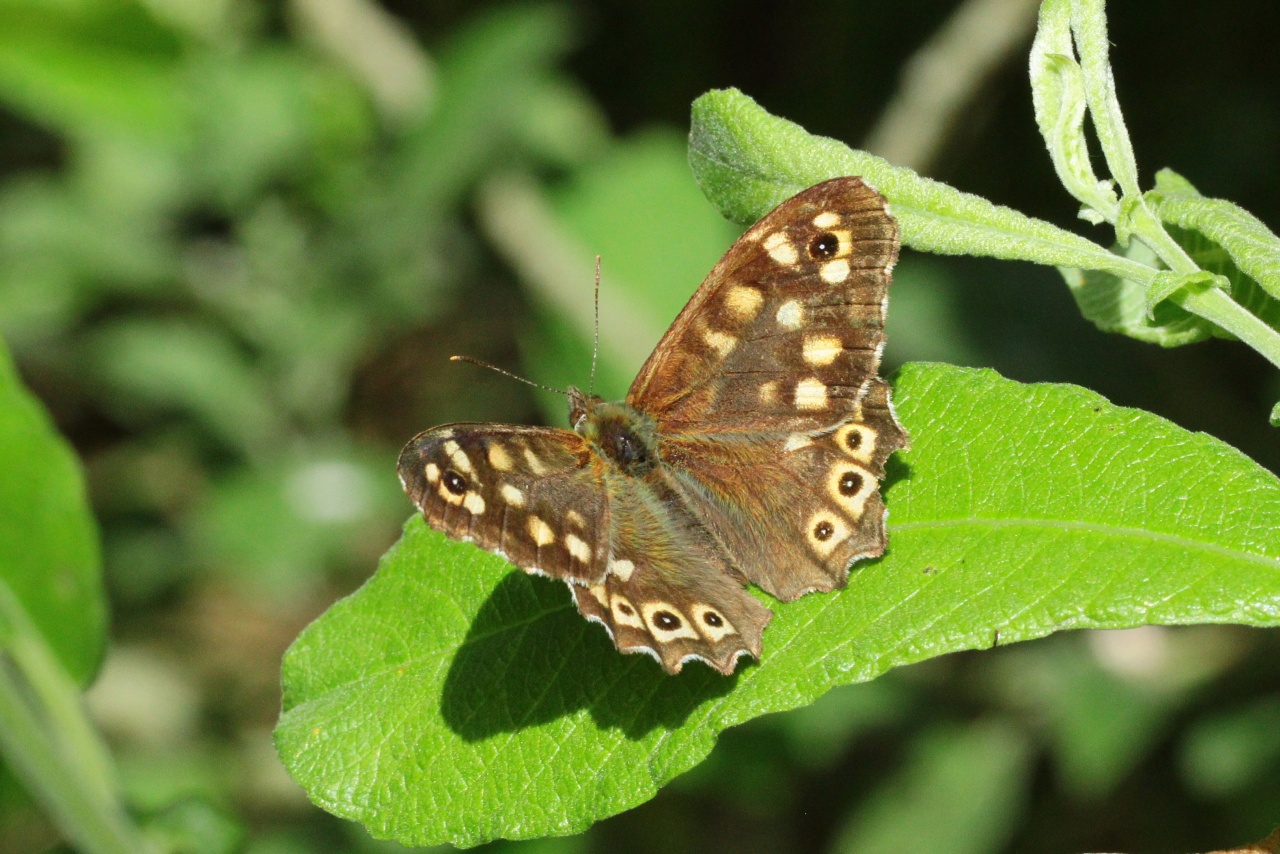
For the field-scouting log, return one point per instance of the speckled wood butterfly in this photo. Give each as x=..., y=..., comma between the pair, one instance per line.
x=749, y=448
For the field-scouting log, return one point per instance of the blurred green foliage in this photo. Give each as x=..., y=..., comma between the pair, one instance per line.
x=239, y=239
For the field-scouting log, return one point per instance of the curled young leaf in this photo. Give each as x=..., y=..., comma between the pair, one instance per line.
x=1058, y=95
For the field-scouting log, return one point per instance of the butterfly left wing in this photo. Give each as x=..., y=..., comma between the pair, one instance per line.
x=534, y=495
x=669, y=591
x=635, y=559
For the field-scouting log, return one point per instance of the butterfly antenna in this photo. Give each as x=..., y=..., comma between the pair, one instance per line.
x=595, y=343
x=517, y=377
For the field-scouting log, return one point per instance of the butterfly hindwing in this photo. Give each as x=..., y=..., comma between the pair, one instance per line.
x=535, y=495
x=794, y=526
x=669, y=592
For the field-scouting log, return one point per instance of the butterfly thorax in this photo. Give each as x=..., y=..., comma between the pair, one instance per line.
x=621, y=434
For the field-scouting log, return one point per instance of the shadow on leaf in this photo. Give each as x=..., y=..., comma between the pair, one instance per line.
x=529, y=659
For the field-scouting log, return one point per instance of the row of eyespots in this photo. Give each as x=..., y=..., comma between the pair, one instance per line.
x=664, y=621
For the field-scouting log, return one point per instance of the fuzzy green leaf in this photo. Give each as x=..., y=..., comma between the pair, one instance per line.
x=1253, y=247
x=452, y=699
x=49, y=555
x=748, y=161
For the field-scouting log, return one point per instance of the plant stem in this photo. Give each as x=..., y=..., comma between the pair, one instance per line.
x=89, y=823
x=1217, y=307
x=46, y=738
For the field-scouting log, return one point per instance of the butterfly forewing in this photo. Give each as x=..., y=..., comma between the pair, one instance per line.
x=787, y=329
x=534, y=495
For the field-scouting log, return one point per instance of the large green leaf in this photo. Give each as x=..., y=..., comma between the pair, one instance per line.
x=49, y=555
x=452, y=699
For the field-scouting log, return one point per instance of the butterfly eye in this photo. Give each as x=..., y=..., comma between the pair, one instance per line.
x=823, y=531
x=455, y=483
x=824, y=246
x=850, y=483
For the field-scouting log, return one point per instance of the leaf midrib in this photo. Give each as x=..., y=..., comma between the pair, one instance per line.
x=1092, y=527
x=937, y=524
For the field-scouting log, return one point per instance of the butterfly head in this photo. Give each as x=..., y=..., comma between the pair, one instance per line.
x=621, y=434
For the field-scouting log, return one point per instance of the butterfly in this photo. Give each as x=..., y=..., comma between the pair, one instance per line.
x=749, y=448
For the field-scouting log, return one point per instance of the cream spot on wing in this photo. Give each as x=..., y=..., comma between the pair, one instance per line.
x=846, y=243
x=448, y=496
x=541, y=532
x=457, y=458
x=791, y=314
x=826, y=219
x=577, y=548
x=834, y=272
x=780, y=249
x=769, y=392
x=714, y=625
x=432, y=472
x=498, y=457
x=535, y=463
x=722, y=342
x=624, y=613
x=512, y=495
x=857, y=440
x=622, y=568
x=575, y=518
x=474, y=503
x=825, y=531
x=743, y=302
x=598, y=592
x=811, y=394
x=666, y=623
x=796, y=441
x=849, y=487
x=822, y=349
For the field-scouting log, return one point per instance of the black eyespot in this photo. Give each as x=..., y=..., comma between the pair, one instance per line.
x=850, y=483
x=666, y=621
x=711, y=618
x=626, y=609
x=853, y=439
x=454, y=482
x=824, y=246
x=823, y=530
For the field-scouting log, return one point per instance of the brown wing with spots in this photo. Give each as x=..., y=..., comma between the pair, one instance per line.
x=534, y=495
x=669, y=591
x=794, y=511
x=786, y=331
